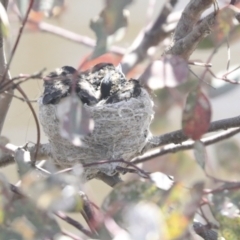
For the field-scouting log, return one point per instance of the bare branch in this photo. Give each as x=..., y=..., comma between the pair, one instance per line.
x=152, y=36
x=75, y=223
x=21, y=78
x=34, y=158
x=179, y=137
x=61, y=32
x=172, y=148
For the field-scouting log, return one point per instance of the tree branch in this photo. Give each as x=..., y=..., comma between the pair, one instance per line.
x=188, y=33
x=152, y=36
x=172, y=138
x=75, y=224
x=179, y=137
x=190, y=16
x=61, y=32
x=184, y=47
x=172, y=148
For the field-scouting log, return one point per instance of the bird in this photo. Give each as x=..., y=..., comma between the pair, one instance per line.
x=59, y=83
x=121, y=110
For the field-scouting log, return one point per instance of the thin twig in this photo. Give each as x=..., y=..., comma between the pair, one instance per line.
x=36, y=122
x=200, y=64
x=22, y=77
x=223, y=78
x=139, y=170
x=61, y=32
x=75, y=223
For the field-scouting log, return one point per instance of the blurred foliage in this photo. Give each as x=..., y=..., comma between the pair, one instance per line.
x=175, y=211
x=228, y=159
x=156, y=208
x=225, y=207
x=9, y=234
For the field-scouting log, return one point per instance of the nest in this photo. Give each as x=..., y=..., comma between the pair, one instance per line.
x=121, y=131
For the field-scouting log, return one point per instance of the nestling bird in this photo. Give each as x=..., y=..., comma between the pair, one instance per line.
x=121, y=110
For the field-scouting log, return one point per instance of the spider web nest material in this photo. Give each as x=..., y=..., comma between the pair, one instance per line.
x=121, y=131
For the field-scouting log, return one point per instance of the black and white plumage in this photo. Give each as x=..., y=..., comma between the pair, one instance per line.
x=121, y=109
x=91, y=86
x=59, y=84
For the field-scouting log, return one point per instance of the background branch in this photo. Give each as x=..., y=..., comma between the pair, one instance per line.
x=188, y=33
x=152, y=36
x=77, y=38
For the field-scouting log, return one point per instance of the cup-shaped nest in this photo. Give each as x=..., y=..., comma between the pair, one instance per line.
x=121, y=127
